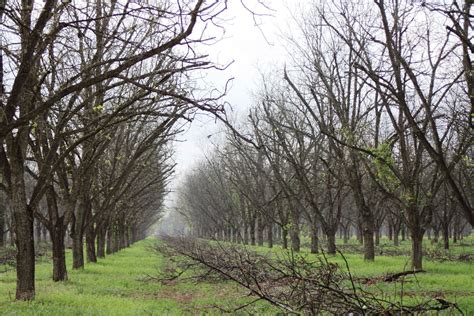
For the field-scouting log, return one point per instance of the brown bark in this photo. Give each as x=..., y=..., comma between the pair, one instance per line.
x=295, y=231
x=417, y=249
x=396, y=232
x=446, y=236
x=252, y=231
x=101, y=240
x=23, y=223
x=377, y=236
x=37, y=231
x=314, y=239
x=345, y=236
x=57, y=231
x=3, y=211
x=368, y=235
x=90, y=245
x=331, y=235
x=59, y=254
x=109, y=249
x=270, y=235
x=260, y=228
x=246, y=234
x=77, y=251
x=284, y=237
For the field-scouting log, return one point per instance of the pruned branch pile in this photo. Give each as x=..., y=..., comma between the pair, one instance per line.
x=287, y=280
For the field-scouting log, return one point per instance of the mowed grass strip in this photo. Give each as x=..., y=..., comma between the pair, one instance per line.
x=115, y=286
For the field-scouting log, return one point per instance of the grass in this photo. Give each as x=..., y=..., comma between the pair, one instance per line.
x=116, y=286
x=450, y=280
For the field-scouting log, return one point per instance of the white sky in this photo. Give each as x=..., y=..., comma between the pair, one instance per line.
x=252, y=48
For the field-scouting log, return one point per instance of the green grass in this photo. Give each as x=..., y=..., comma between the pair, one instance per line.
x=116, y=286
x=450, y=280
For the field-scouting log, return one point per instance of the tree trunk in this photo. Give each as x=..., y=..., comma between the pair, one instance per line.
x=314, y=239
x=122, y=242
x=390, y=231
x=59, y=253
x=37, y=231
x=331, y=235
x=396, y=232
x=109, y=249
x=246, y=234
x=377, y=236
x=3, y=212
x=435, y=235
x=90, y=245
x=270, y=235
x=360, y=234
x=77, y=234
x=101, y=234
x=284, y=238
x=295, y=233
x=368, y=234
x=260, y=228
x=127, y=235
x=446, y=236
x=417, y=248
x=77, y=251
x=24, y=234
x=44, y=232
x=345, y=234
x=252, y=232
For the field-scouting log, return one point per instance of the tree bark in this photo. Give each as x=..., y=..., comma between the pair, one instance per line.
x=252, y=231
x=396, y=232
x=3, y=212
x=90, y=245
x=346, y=231
x=446, y=236
x=295, y=232
x=284, y=237
x=101, y=240
x=57, y=231
x=368, y=235
x=59, y=254
x=417, y=248
x=246, y=234
x=109, y=249
x=270, y=235
x=331, y=235
x=377, y=236
x=24, y=232
x=314, y=239
x=77, y=251
x=37, y=231
x=260, y=228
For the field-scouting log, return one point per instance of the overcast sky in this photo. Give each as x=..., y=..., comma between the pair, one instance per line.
x=251, y=48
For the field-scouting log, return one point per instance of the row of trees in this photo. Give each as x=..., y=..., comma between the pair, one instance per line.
x=92, y=93
x=369, y=125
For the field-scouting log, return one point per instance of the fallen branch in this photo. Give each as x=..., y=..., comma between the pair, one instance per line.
x=290, y=281
x=396, y=276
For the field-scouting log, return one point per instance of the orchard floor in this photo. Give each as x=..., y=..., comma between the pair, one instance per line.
x=120, y=285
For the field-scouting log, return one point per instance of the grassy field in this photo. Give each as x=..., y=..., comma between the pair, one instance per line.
x=118, y=285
